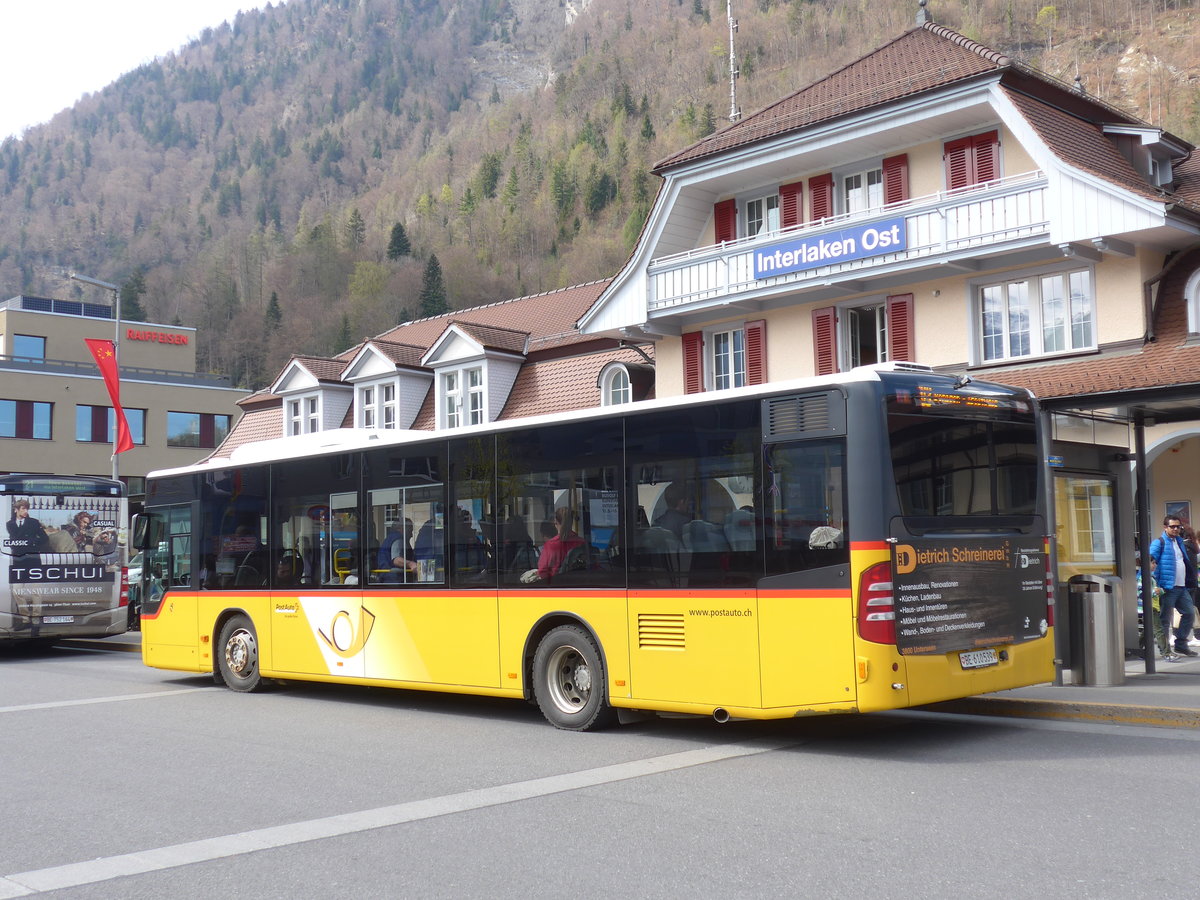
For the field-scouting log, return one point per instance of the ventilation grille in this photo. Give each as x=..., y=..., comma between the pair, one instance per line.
x=660, y=630
x=805, y=415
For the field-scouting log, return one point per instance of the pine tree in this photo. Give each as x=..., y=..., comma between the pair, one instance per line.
x=274, y=315
x=398, y=246
x=131, y=296
x=433, y=289
x=356, y=229
x=344, y=339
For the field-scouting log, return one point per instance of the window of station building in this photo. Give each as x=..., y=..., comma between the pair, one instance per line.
x=29, y=419
x=187, y=429
x=304, y=415
x=728, y=358
x=97, y=424
x=762, y=215
x=29, y=348
x=616, y=387
x=1036, y=315
x=862, y=190
x=463, y=397
x=377, y=405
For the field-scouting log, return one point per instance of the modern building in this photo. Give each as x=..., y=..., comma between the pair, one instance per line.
x=56, y=416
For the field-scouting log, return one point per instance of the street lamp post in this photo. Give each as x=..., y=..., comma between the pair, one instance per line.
x=116, y=292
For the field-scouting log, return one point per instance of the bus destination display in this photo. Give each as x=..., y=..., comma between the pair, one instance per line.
x=964, y=594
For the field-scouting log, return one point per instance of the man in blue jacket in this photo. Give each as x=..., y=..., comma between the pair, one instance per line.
x=1171, y=562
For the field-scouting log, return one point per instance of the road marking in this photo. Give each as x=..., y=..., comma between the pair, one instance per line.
x=23, y=884
x=116, y=698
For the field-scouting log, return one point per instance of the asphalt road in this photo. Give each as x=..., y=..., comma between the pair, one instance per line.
x=122, y=781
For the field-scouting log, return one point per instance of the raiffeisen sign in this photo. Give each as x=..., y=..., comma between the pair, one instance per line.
x=831, y=247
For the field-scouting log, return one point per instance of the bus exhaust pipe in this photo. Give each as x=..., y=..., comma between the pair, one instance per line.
x=720, y=716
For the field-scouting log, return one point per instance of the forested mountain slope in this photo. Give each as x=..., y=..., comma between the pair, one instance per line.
x=251, y=183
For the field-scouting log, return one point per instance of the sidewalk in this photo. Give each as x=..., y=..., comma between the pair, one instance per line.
x=1170, y=697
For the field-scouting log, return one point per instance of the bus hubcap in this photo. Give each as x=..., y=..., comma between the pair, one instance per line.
x=570, y=679
x=241, y=652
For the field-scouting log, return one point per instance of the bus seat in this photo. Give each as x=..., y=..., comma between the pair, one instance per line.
x=739, y=530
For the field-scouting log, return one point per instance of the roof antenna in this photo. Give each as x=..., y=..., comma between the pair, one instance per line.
x=734, y=113
x=922, y=15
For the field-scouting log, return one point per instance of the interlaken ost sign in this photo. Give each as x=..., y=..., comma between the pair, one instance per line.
x=831, y=247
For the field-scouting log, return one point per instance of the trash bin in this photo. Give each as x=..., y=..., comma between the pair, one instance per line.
x=1097, y=640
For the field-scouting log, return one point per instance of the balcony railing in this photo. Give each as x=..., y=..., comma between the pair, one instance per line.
x=12, y=363
x=941, y=227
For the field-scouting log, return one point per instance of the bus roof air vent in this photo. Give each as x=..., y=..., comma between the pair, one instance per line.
x=820, y=414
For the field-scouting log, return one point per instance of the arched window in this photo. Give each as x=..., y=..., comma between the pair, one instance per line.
x=615, y=387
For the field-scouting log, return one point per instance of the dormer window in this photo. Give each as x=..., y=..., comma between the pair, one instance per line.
x=616, y=388
x=463, y=397
x=304, y=415
x=376, y=405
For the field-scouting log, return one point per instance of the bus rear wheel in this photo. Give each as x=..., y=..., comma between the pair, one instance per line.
x=237, y=654
x=569, y=680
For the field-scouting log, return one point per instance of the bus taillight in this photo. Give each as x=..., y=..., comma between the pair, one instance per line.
x=877, y=605
x=124, y=587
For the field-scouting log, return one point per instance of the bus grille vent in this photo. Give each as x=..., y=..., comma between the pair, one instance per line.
x=660, y=630
x=804, y=415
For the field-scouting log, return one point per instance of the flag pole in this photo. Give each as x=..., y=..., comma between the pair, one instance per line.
x=116, y=292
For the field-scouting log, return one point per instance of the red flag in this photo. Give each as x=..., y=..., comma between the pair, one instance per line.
x=106, y=359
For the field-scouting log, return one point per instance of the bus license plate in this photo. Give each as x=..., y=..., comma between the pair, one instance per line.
x=977, y=659
x=57, y=620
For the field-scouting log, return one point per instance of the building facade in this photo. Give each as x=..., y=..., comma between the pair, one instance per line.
x=56, y=416
x=940, y=203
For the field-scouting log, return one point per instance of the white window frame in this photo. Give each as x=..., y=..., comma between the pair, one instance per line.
x=464, y=396
x=867, y=180
x=616, y=388
x=725, y=357
x=849, y=351
x=1191, y=296
x=376, y=405
x=1024, y=304
x=761, y=214
x=302, y=414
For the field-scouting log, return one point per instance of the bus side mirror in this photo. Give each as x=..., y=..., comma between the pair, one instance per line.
x=147, y=531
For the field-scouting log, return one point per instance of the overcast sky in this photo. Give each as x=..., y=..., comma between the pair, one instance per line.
x=52, y=52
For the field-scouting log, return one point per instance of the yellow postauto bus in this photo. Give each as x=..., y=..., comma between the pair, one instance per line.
x=865, y=541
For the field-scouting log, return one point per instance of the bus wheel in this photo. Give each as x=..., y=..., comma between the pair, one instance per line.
x=237, y=655
x=569, y=681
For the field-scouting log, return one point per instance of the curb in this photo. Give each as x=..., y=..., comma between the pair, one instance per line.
x=102, y=644
x=1114, y=713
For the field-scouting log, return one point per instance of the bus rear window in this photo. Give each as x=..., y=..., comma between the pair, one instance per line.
x=948, y=466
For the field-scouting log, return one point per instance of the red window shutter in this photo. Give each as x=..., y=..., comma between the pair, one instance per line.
x=791, y=202
x=895, y=179
x=24, y=416
x=986, y=149
x=725, y=219
x=825, y=339
x=900, y=328
x=820, y=196
x=693, y=362
x=756, y=352
x=958, y=164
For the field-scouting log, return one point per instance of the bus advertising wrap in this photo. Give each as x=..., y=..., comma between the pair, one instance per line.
x=60, y=558
x=967, y=593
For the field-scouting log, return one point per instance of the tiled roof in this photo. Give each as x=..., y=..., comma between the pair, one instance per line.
x=561, y=385
x=407, y=355
x=321, y=368
x=1081, y=143
x=548, y=318
x=260, y=424
x=928, y=56
x=493, y=338
x=1166, y=362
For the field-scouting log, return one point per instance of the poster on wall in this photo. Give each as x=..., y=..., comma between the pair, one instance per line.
x=1181, y=510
